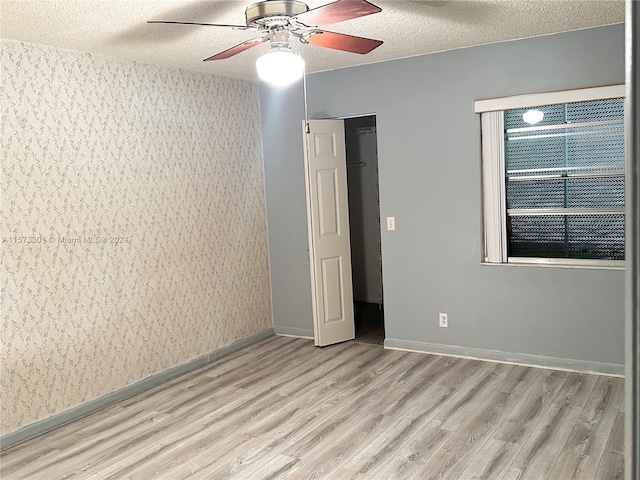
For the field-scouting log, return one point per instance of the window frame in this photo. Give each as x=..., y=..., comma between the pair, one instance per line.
x=494, y=212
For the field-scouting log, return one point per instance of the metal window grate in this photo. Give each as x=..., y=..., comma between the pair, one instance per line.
x=569, y=171
x=566, y=193
x=611, y=109
x=588, y=236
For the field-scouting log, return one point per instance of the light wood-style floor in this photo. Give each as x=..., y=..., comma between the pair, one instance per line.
x=285, y=409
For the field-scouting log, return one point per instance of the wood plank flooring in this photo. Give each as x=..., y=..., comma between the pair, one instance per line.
x=284, y=409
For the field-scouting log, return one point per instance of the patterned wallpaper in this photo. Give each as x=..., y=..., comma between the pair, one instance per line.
x=132, y=222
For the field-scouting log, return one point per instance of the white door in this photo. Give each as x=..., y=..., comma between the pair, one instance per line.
x=328, y=220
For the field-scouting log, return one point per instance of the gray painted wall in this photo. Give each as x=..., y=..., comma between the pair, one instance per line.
x=282, y=114
x=429, y=173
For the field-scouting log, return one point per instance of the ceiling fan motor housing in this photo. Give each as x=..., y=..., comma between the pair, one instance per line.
x=273, y=12
x=278, y=20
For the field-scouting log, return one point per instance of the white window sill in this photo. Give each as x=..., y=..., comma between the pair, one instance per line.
x=556, y=263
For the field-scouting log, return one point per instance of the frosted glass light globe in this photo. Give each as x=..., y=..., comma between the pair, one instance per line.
x=280, y=66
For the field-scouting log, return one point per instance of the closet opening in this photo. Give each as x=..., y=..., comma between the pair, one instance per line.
x=364, y=223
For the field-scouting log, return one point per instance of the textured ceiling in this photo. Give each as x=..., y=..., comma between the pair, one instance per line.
x=118, y=28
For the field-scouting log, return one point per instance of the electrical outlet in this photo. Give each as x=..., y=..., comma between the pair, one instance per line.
x=442, y=320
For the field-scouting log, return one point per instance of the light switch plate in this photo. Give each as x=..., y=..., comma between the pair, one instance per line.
x=391, y=223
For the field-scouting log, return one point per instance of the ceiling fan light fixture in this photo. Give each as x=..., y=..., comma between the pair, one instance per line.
x=280, y=66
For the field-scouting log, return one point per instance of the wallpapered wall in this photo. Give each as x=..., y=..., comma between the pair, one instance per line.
x=133, y=224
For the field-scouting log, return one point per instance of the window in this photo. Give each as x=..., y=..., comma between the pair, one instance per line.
x=553, y=177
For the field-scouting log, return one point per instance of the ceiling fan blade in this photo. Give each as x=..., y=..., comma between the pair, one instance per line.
x=341, y=41
x=230, y=52
x=337, y=12
x=239, y=27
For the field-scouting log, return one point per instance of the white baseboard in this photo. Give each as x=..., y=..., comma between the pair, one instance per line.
x=55, y=421
x=525, y=359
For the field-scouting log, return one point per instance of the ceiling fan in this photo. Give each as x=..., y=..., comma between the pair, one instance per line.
x=278, y=20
